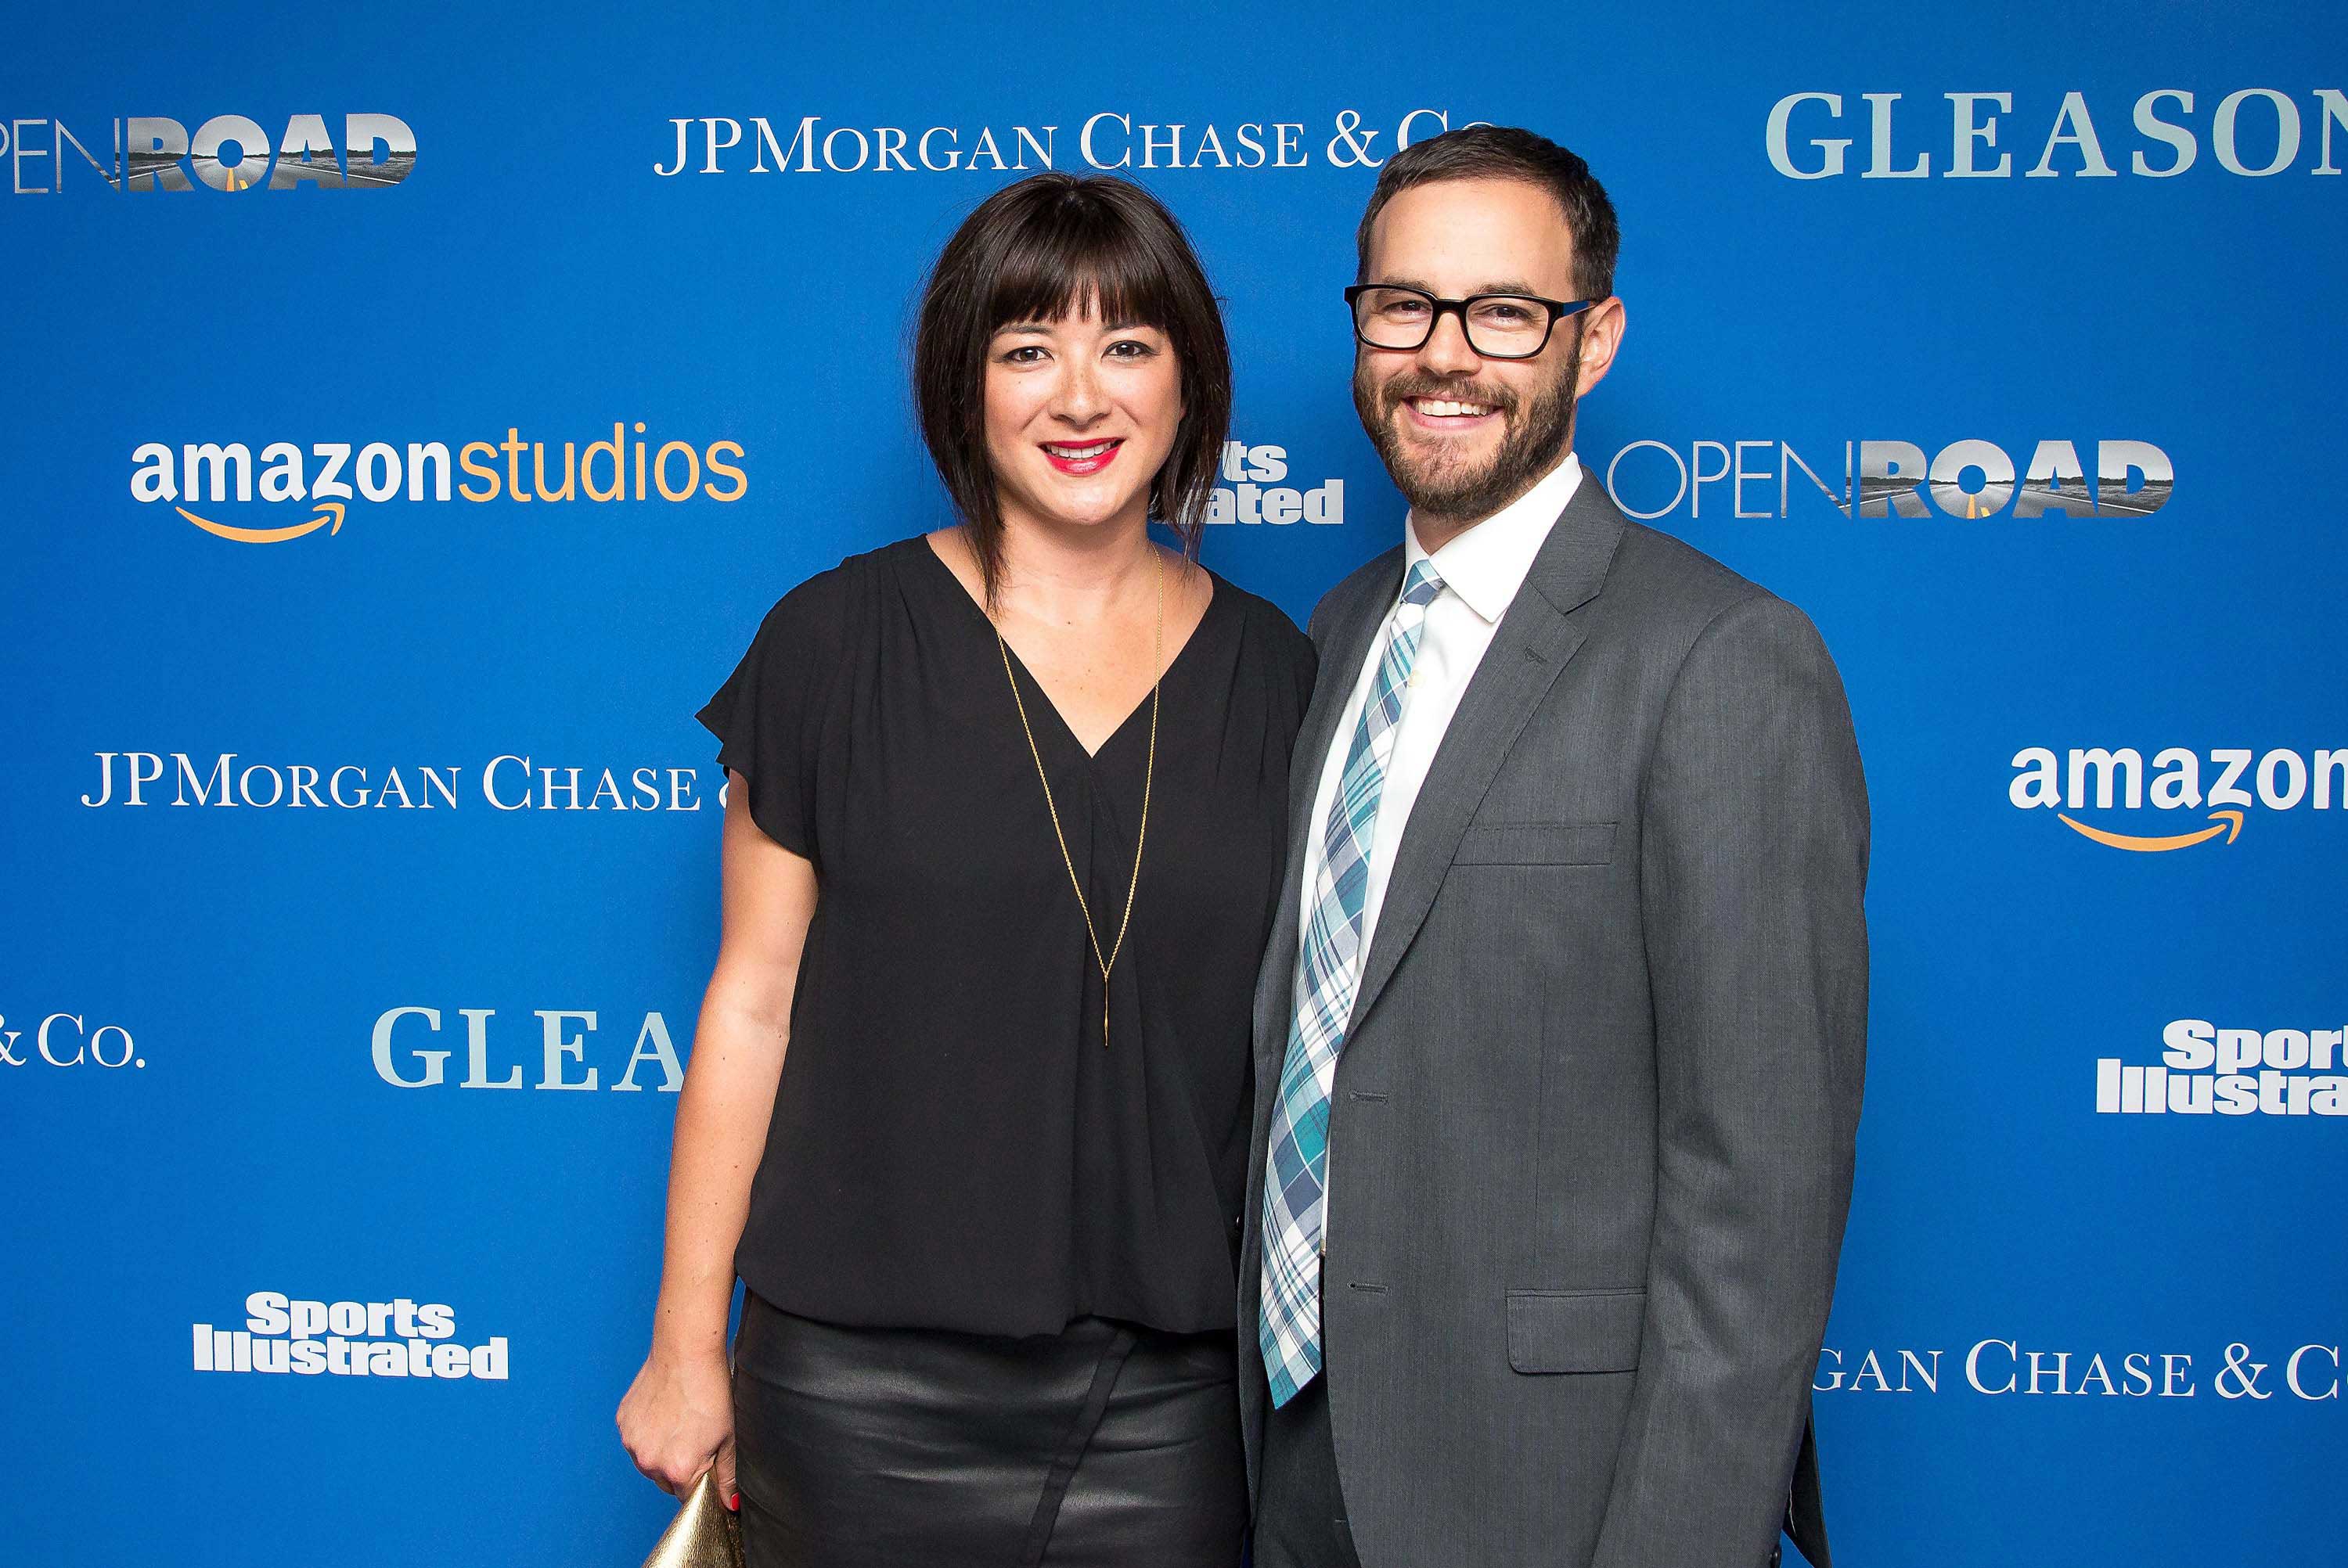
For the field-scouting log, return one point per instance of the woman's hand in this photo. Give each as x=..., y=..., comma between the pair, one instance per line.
x=678, y=1420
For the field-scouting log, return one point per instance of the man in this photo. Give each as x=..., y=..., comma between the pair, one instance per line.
x=1559, y=1040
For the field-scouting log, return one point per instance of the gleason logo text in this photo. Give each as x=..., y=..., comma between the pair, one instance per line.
x=397, y=1338
x=2207, y=1070
x=2117, y=778
x=2253, y=131
x=156, y=153
x=407, y=1057
x=284, y=476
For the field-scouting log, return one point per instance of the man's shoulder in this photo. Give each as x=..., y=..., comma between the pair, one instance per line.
x=1673, y=583
x=1370, y=582
x=1689, y=611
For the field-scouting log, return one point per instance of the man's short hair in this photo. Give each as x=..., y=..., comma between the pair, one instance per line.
x=1508, y=152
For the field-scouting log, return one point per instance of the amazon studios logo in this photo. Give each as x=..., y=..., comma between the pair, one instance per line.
x=2107, y=779
x=156, y=153
x=402, y=1338
x=1970, y=479
x=281, y=477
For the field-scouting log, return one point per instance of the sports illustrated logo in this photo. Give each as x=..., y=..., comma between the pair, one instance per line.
x=508, y=783
x=1104, y=140
x=2117, y=779
x=1998, y=1367
x=2229, y=1073
x=1970, y=479
x=405, y=1058
x=1253, y=493
x=155, y=153
x=396, y=1338
x=2254, y=132
x=67, y=1040
x=210, y=474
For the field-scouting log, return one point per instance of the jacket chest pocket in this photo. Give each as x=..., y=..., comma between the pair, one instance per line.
x=1575, y=1330
x=1536, y=843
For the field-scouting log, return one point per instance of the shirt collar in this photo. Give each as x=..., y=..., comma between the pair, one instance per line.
x=1487, y=564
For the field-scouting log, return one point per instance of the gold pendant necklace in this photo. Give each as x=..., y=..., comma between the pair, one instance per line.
x=1149, y=773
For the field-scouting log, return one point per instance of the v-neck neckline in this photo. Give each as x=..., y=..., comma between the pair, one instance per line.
x=921, y=542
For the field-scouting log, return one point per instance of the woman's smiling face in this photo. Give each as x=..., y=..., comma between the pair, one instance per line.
x=1080, y=416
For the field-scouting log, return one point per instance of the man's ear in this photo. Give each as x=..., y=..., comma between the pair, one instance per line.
x=1601, y=338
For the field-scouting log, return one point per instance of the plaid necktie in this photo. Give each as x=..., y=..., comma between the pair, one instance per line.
x=1328, y=974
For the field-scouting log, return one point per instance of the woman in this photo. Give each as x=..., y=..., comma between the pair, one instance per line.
x=1005, y=822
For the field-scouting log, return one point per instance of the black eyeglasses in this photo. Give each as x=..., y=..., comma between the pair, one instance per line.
x=1497, y=326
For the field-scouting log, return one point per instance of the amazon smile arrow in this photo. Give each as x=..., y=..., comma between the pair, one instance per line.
x=2228, y=822
x=328, y=512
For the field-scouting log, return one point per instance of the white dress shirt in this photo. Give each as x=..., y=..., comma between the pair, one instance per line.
x=1481, y=570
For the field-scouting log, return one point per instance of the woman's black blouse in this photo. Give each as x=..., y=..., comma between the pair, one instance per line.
x=952, y=1147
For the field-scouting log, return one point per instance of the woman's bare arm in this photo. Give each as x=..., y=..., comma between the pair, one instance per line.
x=677, y=1417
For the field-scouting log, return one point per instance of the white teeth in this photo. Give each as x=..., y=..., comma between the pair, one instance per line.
x=1078, y=454
x=1439, y=409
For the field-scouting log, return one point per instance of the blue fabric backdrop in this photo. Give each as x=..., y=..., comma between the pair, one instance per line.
x=385, y=1007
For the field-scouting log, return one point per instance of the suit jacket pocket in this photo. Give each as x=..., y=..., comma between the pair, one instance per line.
x=1536, y=843
x=1575, y=1330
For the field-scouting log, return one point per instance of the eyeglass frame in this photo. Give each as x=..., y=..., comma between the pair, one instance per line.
x=1558, y=311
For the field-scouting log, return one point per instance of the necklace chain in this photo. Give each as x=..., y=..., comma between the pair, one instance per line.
x=1149, y=773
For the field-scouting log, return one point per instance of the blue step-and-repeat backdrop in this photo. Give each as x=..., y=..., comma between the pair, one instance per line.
x=406, y=417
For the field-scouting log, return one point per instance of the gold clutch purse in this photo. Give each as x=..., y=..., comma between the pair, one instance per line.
x=705, y=1533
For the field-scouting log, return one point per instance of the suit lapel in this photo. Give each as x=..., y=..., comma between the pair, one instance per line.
x=1536, y=637
x=1354, y=624
x=1349, y=644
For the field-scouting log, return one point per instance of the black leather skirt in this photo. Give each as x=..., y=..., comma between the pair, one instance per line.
x=1104, y=1445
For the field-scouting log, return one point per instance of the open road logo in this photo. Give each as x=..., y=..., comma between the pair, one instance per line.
x=229, y=152
x=1972, y=479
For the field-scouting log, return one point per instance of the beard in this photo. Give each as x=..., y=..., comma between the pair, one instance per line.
x=1534, y=431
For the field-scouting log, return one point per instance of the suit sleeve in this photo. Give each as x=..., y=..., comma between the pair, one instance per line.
x=1754, y=868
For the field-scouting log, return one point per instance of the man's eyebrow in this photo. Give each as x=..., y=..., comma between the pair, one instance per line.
x=1498, y=286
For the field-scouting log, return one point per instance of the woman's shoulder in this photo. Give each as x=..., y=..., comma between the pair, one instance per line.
x=1266, y=624
x=823, y=607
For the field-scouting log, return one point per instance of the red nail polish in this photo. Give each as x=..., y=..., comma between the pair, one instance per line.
x=734, y=1503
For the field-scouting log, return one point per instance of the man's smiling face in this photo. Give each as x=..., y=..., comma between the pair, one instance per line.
x=1461, y=435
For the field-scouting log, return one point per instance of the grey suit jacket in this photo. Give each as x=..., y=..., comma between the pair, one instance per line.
x=1591, y=1139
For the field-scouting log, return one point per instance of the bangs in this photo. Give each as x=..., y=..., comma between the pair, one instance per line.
x=1051, y=247
x=1082, y=257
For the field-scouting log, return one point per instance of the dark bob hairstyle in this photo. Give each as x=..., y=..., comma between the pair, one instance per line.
x=1041, y=249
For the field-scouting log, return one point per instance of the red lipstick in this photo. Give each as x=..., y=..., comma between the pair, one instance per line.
x=1097, y=456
